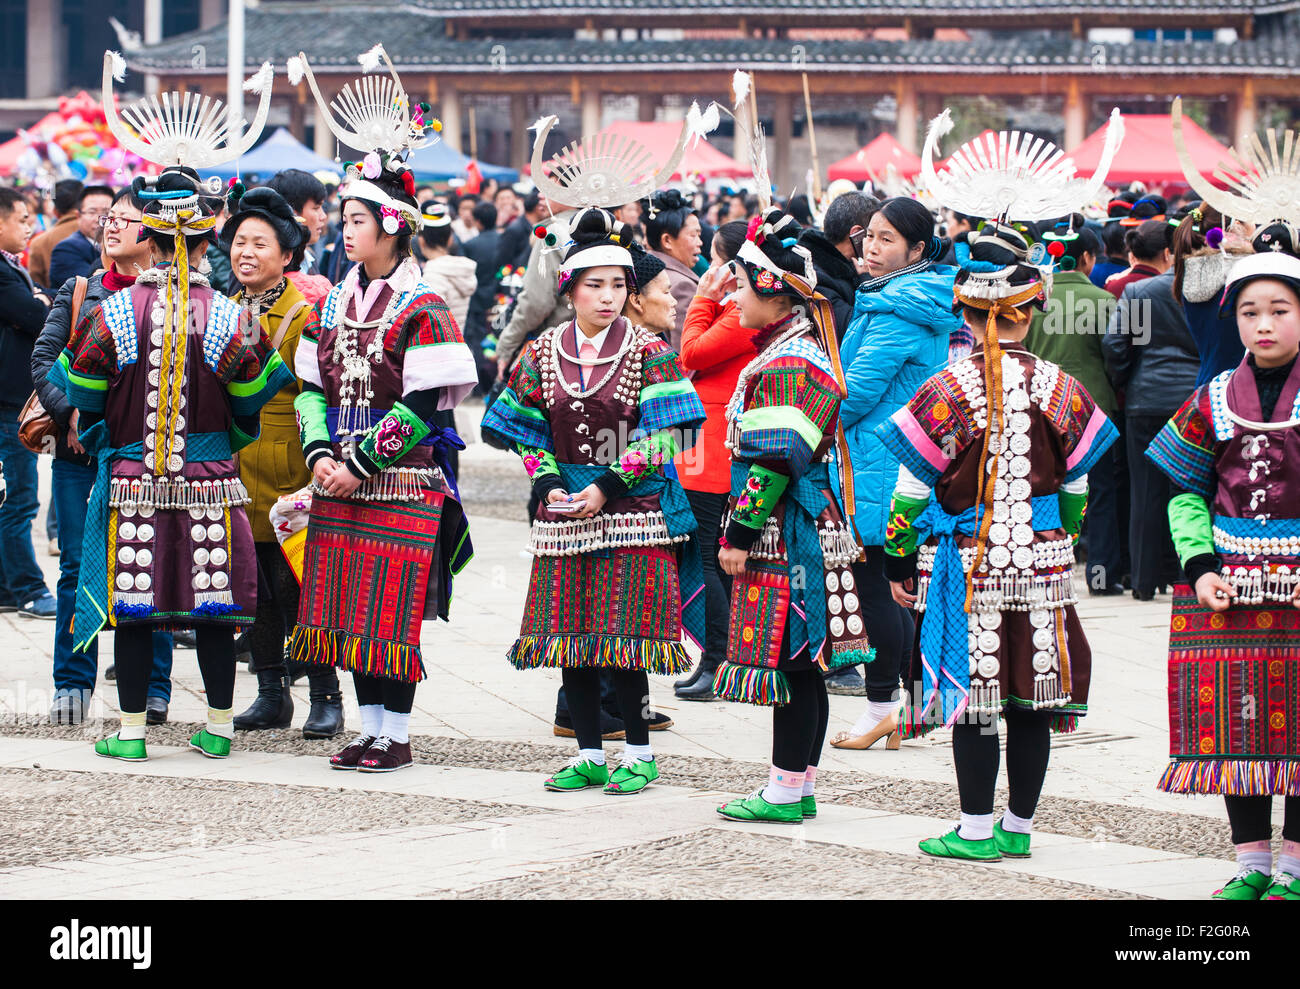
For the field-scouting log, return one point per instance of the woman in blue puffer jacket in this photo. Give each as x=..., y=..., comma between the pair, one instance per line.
x=902, y=327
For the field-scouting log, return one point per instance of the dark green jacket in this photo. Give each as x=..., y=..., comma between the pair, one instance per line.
x=1069, y=330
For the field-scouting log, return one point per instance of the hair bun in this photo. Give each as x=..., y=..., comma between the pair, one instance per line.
x=666, y=200
x=593, y=225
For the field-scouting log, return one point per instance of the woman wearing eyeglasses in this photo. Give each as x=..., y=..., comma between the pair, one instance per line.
x=74, y=472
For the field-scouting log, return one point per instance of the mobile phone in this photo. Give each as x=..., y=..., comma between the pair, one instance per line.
x=856, y=239
x=566, y=507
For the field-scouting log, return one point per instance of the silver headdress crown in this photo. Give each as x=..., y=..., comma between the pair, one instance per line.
x=1263, y=184
x=182, y=128
x=609, y=170
x=1014, y=176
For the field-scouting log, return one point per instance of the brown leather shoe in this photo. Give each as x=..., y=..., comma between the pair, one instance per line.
x=385, y=755
x=349, y=757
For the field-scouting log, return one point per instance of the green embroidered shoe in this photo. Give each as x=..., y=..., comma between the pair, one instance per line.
x=632, y=777
x=755, y=808
x=1285, y=887
x=131, y=750
x=212, y=746
x=954, y=846
x=579, y=774
x=809, y=807
x=1012, y=844
x=1249, y=884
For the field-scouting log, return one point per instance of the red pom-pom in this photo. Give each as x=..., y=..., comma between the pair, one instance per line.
x=539, y=233
x=408, y=183
x=1055, y=248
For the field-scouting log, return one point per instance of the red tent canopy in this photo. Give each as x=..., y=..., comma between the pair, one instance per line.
x=882, y=151
x=660, y=136
x=1147, y=154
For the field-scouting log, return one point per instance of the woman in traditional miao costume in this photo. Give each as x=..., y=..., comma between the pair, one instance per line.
x=379, y=357
x=168, y=389
x=1233, y=454
x=794, y=608
x=992, y=486
x=597, y=408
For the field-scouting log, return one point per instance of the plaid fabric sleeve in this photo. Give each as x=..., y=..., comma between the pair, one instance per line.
x=928, y=433
x=518, y=417
x=87, y=364
x=793, y=408
x=668, y=399
x=1184, y=447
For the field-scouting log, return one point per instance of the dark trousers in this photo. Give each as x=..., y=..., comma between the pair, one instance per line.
x=890, y=628
x=799, y=727
x=608, y=698
x=582, y=686
x=1102, y=534
x=1154, y=560
x=975, y=755
x=21, y=580
x=397, y=696
x=708, y=508
x=277, y=609
x=1251, y=819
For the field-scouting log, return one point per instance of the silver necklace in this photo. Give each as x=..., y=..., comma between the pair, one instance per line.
x=557, y=351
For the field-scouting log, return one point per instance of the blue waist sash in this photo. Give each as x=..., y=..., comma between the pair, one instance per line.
x=680, y=521
x=92, y=586
x=945, y=650
x=805, y=499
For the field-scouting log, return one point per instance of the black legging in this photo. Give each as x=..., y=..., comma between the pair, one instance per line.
x=799, y=727
x=397, y=696
x=582, y=691
x=975, y=754
x=708, y=509
x=1251, y=818
x=890, y=628
x=277, y=613
x=133, y=657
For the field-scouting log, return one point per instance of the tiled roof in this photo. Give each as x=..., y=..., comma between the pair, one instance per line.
x=334, y=33
x=812, y=8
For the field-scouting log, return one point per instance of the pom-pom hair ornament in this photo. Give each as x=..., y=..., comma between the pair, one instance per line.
x=1214, y=238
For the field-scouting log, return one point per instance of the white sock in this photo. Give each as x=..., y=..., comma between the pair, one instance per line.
x=641, y=753
x=221, y=723
x=1290, y=864
x=593, y=755
x=372, y=719
x=395, y=724
x=784, y=787
x=132, y=727
x=1017, y=825
x=809, y=781
x=976, y=827
x=1258, y=861
x=876, y=712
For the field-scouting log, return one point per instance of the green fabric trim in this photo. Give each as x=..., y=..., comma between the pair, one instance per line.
x=1191, y=526
x=247, y=389
x=665, y=389
x=239, y=439
x=524, y=410
x=645, y=457
x=312, y=424
x=782, y=417
x=900, y=531
x=545, y=461
x=1073, y=507
x=763, y=489
x=399, y=425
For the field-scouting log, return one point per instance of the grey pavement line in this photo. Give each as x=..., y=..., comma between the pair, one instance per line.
x=723, y=864
x=1188, y=834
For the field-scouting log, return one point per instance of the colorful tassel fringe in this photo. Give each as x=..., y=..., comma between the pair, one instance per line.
x=842, y=656
x=617, y=652
x=1244, y=777
x=357, y=653
x=760, y=685
x=123, y=610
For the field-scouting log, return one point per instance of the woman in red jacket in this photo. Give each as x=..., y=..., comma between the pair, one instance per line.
x=714, y=351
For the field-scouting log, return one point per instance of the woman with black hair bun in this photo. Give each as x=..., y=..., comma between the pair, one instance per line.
x=672, y=232
x=597, y=408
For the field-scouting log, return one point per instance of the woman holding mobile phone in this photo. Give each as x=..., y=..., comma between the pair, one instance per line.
x=597, y=407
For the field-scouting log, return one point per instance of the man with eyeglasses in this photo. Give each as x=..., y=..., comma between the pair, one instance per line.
x=67, y=192
x=78, y=255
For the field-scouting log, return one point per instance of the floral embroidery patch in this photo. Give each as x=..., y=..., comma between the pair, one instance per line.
x=391, y=436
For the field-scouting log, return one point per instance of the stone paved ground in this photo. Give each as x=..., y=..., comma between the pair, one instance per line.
x=472, y=819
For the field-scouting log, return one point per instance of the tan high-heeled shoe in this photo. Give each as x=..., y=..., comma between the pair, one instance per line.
x=886, y=729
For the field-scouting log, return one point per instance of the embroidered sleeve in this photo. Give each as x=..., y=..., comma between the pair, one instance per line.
x=1191, y=527
x=911, y=497
x=305, y=359
x=313, y=430
x=794, y=407
x=643, y=458
x=256, y=374
x=87, y=364
x=387, y=441
x=1073, y=506
x=1184, y=447
x=1087, y=431
x=928, y=433
x=519, y=416
x=668, y=399
x=755, y=504
x=436, y=355
x=542, y=468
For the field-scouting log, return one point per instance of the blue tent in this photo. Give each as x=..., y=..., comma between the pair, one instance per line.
x=440, y=162
x=279, y=151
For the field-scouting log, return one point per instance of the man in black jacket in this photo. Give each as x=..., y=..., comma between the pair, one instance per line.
x=79, y=254
x=22, y=314
x=482, y=250
x=835, y=256
x=73, y=473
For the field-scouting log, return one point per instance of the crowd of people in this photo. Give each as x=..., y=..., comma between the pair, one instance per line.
x=848, y=446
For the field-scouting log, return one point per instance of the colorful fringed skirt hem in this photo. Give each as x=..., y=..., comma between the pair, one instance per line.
x=356, y=653
x=1233, y=777
x=762, y=685
x=613, y=652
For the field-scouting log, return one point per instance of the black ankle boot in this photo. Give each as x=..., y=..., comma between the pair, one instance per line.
x=325, y=720
x=699, y=685
x=273, y=706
